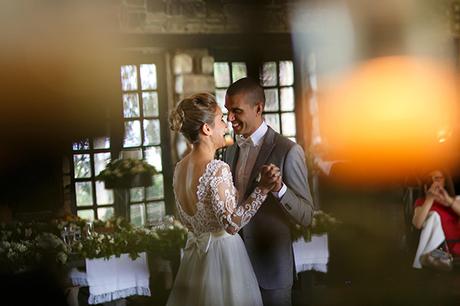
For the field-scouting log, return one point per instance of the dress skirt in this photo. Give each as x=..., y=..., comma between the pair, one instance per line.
x=215, y=271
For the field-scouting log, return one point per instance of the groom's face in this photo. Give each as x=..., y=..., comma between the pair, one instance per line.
x=243, y=115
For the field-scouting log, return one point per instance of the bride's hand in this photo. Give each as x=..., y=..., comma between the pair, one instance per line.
x=270, y=178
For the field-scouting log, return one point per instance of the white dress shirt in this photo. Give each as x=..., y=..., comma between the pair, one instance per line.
x=249, y=150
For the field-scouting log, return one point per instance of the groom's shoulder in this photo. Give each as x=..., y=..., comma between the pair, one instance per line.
x=282, y=142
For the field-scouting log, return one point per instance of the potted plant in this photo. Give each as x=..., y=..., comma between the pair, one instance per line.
x=127, y=173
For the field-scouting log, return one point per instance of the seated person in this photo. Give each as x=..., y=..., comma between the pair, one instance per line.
x=440, y=197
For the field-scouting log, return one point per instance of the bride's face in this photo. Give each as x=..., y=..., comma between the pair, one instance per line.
x=219, y=130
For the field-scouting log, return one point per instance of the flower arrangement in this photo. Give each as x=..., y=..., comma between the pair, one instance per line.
x=23, y=248
x=321, y=223
x=122, y=173
x=25, y=245
x=116, y=236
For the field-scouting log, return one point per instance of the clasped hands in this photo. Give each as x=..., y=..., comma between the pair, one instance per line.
x=270, y=178
x=439, y=194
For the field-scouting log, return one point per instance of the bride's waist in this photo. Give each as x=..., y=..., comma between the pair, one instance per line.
x=215, y=234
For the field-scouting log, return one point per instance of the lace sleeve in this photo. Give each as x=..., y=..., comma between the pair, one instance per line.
x=224, y=201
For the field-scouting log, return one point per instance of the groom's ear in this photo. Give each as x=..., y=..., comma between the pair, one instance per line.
x=259, y=108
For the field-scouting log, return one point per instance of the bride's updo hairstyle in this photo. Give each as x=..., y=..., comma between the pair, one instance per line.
x=191, y=113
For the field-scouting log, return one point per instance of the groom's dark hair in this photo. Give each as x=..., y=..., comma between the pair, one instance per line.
x=250, y=87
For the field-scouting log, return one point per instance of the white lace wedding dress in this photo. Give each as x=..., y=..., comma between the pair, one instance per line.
x=215, y=269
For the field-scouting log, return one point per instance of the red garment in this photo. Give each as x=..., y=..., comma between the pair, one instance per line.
x=449, y=221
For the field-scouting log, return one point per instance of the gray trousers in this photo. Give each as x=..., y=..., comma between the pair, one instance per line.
x=277, y=297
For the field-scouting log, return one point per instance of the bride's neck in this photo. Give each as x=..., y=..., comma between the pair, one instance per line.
x=204, y=150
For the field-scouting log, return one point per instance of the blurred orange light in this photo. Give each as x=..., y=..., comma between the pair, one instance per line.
x=392, y=115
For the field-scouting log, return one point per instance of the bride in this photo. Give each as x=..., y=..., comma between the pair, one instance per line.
x=215, y=268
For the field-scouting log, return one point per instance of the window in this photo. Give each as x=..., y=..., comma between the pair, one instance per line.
x=225, y=73
x=89, y=158
x=143, y=138
x=277, y=78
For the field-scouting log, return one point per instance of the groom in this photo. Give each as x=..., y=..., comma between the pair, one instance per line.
x=267, y=236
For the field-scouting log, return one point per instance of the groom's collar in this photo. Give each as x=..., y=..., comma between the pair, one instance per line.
x=258, y=136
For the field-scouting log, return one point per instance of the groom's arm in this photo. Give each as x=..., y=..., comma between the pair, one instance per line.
x=297, y=200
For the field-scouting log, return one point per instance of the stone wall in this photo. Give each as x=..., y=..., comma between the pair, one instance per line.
x=200, y=16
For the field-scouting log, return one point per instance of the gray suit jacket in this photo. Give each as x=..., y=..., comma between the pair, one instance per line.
x=267, y=236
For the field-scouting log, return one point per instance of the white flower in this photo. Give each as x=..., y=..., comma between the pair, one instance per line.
x=155, y=235
x=178, y=225
x=21, y=247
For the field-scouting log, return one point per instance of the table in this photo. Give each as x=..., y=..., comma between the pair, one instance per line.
x=114, y=278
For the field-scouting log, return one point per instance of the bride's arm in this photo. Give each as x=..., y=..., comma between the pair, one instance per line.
x=224, y=201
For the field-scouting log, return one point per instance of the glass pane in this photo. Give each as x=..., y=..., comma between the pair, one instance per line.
x=271, y=99
x=238, y=71
x=221, y=74
x=292, y=139
x=136, y=194
x=220, y=97
x=137, y=213
x=131, y=105
x=81, y=145
x=286, y=73
x=152, y=132
x=87, y=214
x=181, y=145
x=269, y=74
x=102, y=143
x=105, y=213
x=100, y=161
x=134, y=154
x=132, y=133
x=153, y=157
x=313, y=82
x=155, y=211
x=155, y=192
x=103, y=196
x=82, y=165
x=150, y=100
x=148, y=76
x=273, y=120
x=129, y=77
x=84, y=193
x=287, y=99
x=288, y=124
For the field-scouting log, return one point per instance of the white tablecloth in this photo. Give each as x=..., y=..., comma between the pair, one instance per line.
x=114, y=278
x=312, y=255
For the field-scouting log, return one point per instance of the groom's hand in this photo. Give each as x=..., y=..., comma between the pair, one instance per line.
x=269, y=177
x=274, y=173
x=278, y=184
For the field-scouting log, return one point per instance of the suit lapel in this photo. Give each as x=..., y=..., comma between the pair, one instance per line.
x=232, y=157
x=267, y=147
